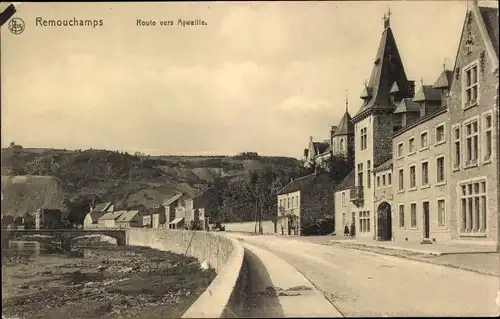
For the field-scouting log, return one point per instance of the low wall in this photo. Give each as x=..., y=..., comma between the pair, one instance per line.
x=249, y=227
x=225, y=295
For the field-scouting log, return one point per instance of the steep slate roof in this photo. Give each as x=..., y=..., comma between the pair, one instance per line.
x=490, y=18
x=384, y=166
x=320, y=147
x=297, y=184
x=387, y=69
x=427, y=93
x=348, y=182
x=102, y=207
x=345, y=126
x=444, y=80
x=328, y=150
x=95, y=215
x=113, y=215
x=172, y=199
x=127, y=216
x=407, y=105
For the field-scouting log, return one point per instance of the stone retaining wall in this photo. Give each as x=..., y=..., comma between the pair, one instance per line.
x=225, y=295
x=249, y=227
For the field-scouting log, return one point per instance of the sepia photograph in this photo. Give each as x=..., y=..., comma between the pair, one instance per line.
x=250, y=159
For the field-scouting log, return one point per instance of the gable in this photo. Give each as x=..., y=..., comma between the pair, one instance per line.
x=475, y=35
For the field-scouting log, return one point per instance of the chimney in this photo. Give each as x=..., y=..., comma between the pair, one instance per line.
x=310, y=138
x=411, y=88
x=333, y=129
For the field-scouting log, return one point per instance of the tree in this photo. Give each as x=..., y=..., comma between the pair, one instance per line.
x=339, y=166
x=15, y=146
x=216, y=198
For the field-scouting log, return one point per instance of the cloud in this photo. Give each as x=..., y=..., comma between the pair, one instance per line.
x=261, y=76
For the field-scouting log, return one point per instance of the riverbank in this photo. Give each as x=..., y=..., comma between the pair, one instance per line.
x=103, y=281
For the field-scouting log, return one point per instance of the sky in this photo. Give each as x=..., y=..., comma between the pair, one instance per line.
x=260, y=76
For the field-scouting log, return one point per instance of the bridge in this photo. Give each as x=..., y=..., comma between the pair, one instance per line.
x=65, y=235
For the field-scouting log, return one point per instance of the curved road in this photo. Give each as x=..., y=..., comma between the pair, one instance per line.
x=361, y=283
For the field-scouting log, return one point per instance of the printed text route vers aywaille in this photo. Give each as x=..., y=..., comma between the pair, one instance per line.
x=171, y=23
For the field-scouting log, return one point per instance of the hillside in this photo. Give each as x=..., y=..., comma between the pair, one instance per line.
x=102, y=175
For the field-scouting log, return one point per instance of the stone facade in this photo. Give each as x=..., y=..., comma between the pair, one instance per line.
x=303, y=202
x=473, y=182
x=458, y=119
x=288, y=207
x=363, y=155
x=425, y=187
x=344, y=210
x=383, y=198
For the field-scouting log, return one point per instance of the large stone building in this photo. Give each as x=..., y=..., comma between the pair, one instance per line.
x=473, y=112
x=374, y=124
x=425, y=165
x=304, y=202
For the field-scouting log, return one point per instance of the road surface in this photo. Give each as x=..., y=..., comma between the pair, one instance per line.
x=361, y=283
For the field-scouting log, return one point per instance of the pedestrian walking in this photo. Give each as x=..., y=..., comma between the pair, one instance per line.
x=346, y=230
x=353, y=230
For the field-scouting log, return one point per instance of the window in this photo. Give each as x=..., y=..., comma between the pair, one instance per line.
x=469, y=42
x=440, y=169
x=411, y=145
x=368, y=174
x=389, y=179
x=471, y=142
x=440, y=137
x=413, y=177
x=424, y=140
x=383, y=179
x=363, y=139
x=488, y=141
x=378, y=181
x=401, y=216
x=471, y=86
x=341, y=144
x=400, y=149
x=343, y=198
x=413, y=215
x=288, y=203
x=360, y=174
x=425, y=173
x=456, y=147
x=441, y=212
x=364, y=222
x=401, y=180
x=473, y=208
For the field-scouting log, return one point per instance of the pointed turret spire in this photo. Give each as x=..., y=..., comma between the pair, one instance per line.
x=387, y=70
x=346, y=101
x=387, y=19
x=444, y=63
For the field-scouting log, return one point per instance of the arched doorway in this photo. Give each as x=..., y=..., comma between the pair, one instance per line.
x=384, y=221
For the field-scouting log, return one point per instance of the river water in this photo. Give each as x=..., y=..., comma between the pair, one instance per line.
x=96, y=279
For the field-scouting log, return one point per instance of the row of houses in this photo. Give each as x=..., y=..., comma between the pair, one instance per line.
x=426, y=167
x=179, y=211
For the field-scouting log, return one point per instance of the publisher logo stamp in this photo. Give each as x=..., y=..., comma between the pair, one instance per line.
x=16, y=26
